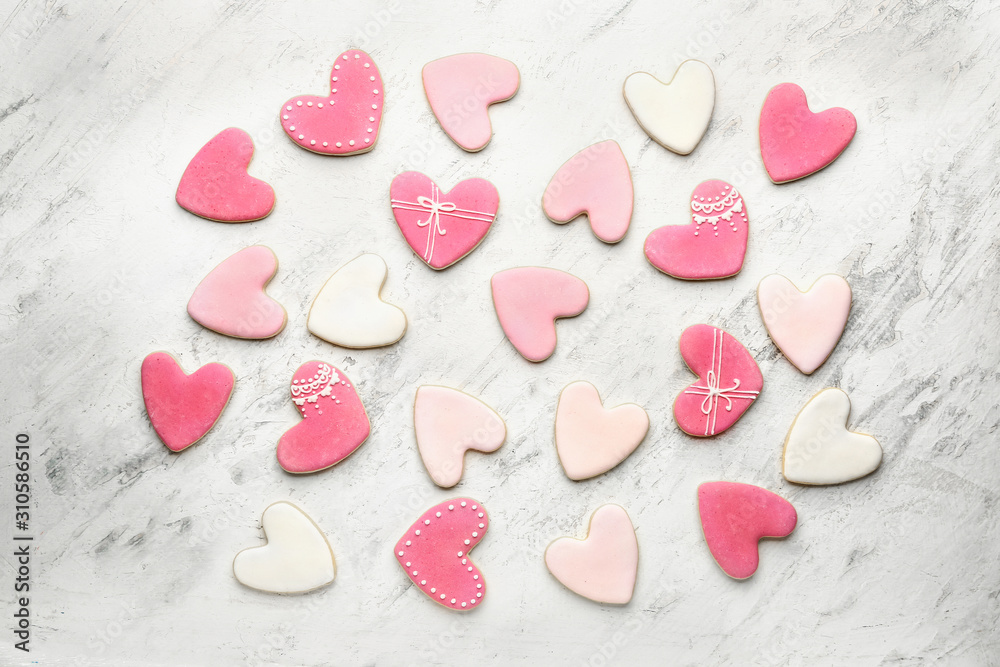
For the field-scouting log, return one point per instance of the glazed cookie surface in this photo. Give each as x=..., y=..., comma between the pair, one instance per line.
x=675, y=114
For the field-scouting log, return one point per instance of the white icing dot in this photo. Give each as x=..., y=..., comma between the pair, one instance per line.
x=427, y=522
x=716, y=233
x=351, y=142
x=407, y=543
x=475, y=576
x=400, y=553
x=371, y=78
x=418, y=532
x=470, y=568
x=451, y=507
x=473, y=507
x=465, y=561
x=480, y=514
x=479, y=585
x=331, y=102
x=345, y=56
x=442, y=596
x=288, y=108
x=356, y=56
x=336, y=67
x=482, y=525
x=475, y=534
x=375, y=91
x=437, y=514
x=339, y=144
x=371, y=119
x=338, y=400
x=334, y=90
x=285, y=116
x=292, y=129
x=453, y=600
x=302, y=136
x=467, y=542
x=325, y=144
x=414, y=573
x=320, y=105
x=479, y=595
x=367, y=140
x=459, y=554
x=309, y=104
x=334, y=78
x=407, y=563
x=433, y=590
x=734, y=229
x=472, y=601
x=312, y=142
x=423, y=582
x=299, y=103
x=367, y=64
x=463, y=604
x=369, y=129
x=374, y=106
x=696, y=233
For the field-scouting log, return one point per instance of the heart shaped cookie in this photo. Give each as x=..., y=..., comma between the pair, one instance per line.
x=434, y=553
x=528, y=301
x=675, y=114
x=819, y=450
x=603, y=566
x=349, y=310
x=728, y=381
x=805, y=326
x=442, y=228
x=296, y=559
x=216, y=185
x=735, y=517
x=794, y=141
x=182, y=408
x=231, y=299
x=592, y=439
x=345, y=122
x=713, y=245
x=447, y=423
x=595, y=181
x=334, y=422
x=460, y=89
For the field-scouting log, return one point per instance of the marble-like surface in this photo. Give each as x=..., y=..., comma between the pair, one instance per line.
x=102, y=105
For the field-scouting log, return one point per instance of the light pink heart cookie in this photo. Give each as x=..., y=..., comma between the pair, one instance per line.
x=334, y=422
x=595, y=181
x=713, y=245
x=729, y=381
x=231, y=299
x=735, y=517
x=794, y=141
x=528, y=301
x=603, y=566
x=442, y=228
x=183, y=408
x=345, y=122
x=592, y=439
x=434, y=553
x=805, y=326
x=461, y=88
x=216, y=185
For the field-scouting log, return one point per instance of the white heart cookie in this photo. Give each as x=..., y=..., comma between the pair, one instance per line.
x=348, y=311
x=819, y=450
x=675, y=114
x=296, y=559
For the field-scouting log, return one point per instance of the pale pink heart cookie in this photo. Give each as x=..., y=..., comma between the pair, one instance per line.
x=442, y=227
x=216, y=185
x=735, y=517
x=447, y=423
x=434, y=553
x=183, y=408
x=729, y=381
x=713, y=245
x=231, y=299
x=334, y=421
x=794, y=141
x=805, y=326
x=345, y=122
x=592, y=439
x=528, y=301
x=603, y=566
x=461, y=88
x=595, y=181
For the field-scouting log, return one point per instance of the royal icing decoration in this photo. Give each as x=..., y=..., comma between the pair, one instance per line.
x=447, y=423
x=729, y=381
x=461, y=88
x=345, y=122
x=182, y=408
x=735, y=517
x=296, y=559
x=334, y=422
x=794, y=141
x=434, y=553
x=231, y=299
x=595, y=181
x=592, y=439
x=216, y=184
x=820, y=450
x=529, y=300
x=349, y=310
x=603, y=566
x=713, y=245
x=675, y=114
x=805, y=326
x=442, y=228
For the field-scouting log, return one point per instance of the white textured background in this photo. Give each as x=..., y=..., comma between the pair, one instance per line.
x=103, y=104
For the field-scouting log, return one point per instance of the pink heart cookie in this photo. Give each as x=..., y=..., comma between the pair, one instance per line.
x=442, y=228
x=231, y=299
x=595, y=181
x=334, y=422
x=183, y=408
x=729, y=381
x=216, y=184
x=528, y=301
x=794, y=141
x=805, y=326
x=461, y=88
x=345, y=122
x=434, y=552
x=735, y=517
x=713, y=245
